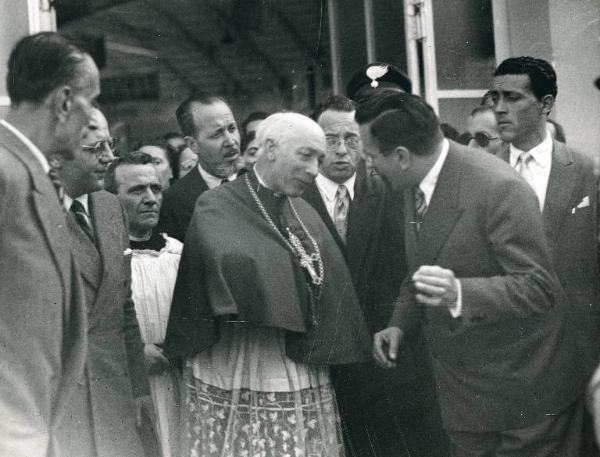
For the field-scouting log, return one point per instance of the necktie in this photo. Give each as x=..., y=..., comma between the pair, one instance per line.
x=523, y=167
x=420, y=207
x=224, y=181
x=81, y=217
x=340, y=211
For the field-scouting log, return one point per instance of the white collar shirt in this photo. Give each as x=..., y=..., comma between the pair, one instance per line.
x=84, y=200
x=211, y=180
x=328, y=189
x=539, y=167
x=430, y=180
x=27, y=142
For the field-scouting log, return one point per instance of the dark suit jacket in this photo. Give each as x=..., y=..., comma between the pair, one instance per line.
x=102, y=410
x=508, y=361
x=572, y=234
x=373, y=251
x=42, y=319
x=178, y=205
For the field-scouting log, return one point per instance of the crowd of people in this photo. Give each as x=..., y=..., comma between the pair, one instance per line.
x=350, y=283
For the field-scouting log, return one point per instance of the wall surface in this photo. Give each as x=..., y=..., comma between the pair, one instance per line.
x=575, y=37
x=13, y=27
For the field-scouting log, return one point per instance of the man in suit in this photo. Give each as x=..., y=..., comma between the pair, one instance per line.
x=524, y=93
x=211, y=132
x=52, y=85
x=100, y=418
x=480, y=282
x=374, y=425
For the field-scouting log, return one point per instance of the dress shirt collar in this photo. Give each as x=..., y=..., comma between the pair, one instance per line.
x=211, y=180
x=431, y=178
x=27, y=142
x=83, y=199
x=329, y=188
x=542, y=153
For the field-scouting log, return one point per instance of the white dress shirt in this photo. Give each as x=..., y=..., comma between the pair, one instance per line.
x=538, y=168
x=27, y=142
x=328, y=188
x=211, y=180
x=427, y=185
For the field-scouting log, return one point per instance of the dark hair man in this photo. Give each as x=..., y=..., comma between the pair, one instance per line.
x=52, y=86
x=100, y=417
x=481, y=283
x=154, y=261
x=261, y=278
x=524, y=93
x=211, y=132
x=354, y=208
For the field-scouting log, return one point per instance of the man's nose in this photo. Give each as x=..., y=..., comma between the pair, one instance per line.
x=341, y=149
x=312, y=167
x=107, y=154
x=229, y=138
x=150, y=198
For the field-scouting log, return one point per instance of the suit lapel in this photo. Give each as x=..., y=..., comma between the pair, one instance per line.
x=561, y=184
x=107, y=227
x=361, y=222
x=47, y=206
x=443, y=210
x=87, y=256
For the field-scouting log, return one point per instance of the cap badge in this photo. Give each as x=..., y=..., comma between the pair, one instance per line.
x=375, y=72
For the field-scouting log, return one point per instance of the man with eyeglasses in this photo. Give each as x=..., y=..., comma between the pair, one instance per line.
x=483, y=128
x=100, y=418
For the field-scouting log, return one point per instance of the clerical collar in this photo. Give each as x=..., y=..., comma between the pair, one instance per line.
x=329, y=187
x=29, y=144
x=83, y=199
x=156, y=242
x=431, y=178
x=211, y=180
x=541, y=153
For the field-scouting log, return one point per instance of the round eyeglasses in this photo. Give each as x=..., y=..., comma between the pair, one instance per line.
x=334, y=142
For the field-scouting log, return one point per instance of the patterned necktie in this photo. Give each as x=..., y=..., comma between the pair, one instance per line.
x=340, y=211
x=420, y=207
x=81, y=217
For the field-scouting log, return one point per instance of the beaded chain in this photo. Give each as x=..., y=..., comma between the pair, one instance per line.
x=295, y=245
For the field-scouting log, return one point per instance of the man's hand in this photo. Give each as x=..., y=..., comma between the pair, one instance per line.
x=385, y=346
x=154, y=359
x=144, y=404
x=435, y=286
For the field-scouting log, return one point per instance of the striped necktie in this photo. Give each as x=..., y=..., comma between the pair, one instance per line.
x=420, y=207
x=81, y=216
x=340, y=211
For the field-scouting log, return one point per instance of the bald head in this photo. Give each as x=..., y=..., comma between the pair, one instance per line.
x=290, y=146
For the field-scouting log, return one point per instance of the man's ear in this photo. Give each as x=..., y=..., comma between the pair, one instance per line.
x=547, y=102
x=62, y=102
x=55, y=161
x=403, y=156
x=270, y=147
x=191, y=143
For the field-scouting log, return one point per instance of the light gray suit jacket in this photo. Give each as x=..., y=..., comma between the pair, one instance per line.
x=42, y=323
x=100, y=417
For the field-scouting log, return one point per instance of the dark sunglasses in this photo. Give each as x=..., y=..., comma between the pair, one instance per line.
x=99, y=147
x=483, y=139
